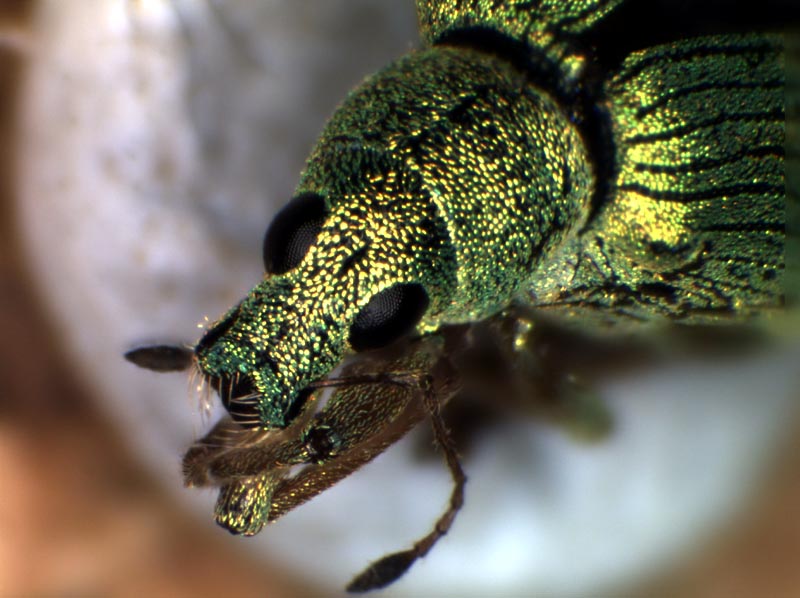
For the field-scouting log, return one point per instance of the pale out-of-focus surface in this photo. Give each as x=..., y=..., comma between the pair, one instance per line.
x=78, y=514
x=157, y=139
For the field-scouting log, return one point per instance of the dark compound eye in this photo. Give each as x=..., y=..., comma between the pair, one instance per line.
x=292, y=232
x=389, y=315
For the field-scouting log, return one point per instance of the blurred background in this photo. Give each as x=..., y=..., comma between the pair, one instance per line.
x=145, y=145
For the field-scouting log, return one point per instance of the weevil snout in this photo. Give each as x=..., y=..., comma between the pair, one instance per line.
x=241, y=374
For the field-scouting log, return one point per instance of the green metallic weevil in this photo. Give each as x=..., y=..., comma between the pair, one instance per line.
x=501, y=172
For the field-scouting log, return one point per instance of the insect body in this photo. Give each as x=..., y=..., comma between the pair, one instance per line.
x=495, y=174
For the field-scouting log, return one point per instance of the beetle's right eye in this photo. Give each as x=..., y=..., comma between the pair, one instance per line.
x=292, y=232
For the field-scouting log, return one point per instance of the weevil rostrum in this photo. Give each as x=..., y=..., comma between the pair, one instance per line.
x=496, y=175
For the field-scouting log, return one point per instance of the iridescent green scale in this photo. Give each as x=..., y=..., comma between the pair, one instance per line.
x=498, y=173
x=694, y=224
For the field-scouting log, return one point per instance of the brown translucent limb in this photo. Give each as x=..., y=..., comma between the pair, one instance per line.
x=376, y=401
x=389, y=568
x=399, y=378
x=230, y=453
x=318, y=477
x=247, y=503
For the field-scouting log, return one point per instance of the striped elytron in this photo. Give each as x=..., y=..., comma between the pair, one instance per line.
x=498, y=173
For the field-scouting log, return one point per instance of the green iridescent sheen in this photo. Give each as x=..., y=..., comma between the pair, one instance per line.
x=656, y=196
x=445, y=169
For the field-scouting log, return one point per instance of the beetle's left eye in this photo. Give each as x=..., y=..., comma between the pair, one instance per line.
x=293, y=232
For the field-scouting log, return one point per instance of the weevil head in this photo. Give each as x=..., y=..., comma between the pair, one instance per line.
x=431, y=195
x=356, y=260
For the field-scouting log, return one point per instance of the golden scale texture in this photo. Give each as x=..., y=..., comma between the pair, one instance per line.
x=543, y=25
x=695, y=228
x=459, y=170
x=500, y=169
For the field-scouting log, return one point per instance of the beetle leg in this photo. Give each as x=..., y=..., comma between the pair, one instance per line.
x=550, y=372
x=387, y=569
